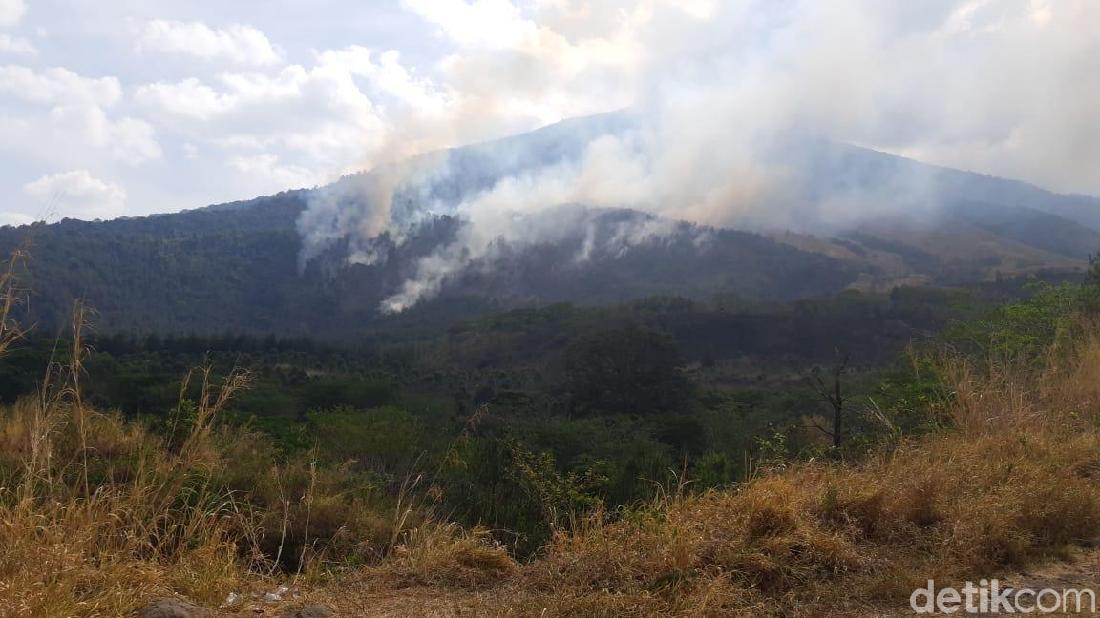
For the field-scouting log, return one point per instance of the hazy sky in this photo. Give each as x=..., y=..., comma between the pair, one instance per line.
x=129, y=107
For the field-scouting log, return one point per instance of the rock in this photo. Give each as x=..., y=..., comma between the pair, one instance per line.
x=171, y=608
x=231, y=599
x=308, y=611
x=277, y=595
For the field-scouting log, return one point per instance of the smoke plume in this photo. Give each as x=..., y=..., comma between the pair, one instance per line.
x=733, y=106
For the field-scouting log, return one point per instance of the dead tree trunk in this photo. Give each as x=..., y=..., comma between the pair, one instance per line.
x=832, y=394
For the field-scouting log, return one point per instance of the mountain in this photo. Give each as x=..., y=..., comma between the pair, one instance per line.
x=235, y=267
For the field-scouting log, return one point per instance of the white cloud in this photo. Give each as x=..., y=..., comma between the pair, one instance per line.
x=16, y=45
x=1000, y=86
x=15, y=218
x=330, y=83
x=481, y=23
x=270, y=171
x=239, y=44
x=126, y=138
x=59, y=86
x=71, y=116
x=11, y=11
x=78, y=194
x=305, y=124
x=189, y=97
x=317, y=115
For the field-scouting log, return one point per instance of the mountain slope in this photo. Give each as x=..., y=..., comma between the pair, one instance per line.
x=235, y=267
x=212, y=271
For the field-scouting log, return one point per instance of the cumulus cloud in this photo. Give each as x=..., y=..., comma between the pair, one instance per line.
x=71, y=113
x=59, y=86
x=305, y=123
x=16, y=45
x=190, y=98
x=80, y=194
x=238, y=44
x=270, y=169
x=11, y=11
x=482, y=23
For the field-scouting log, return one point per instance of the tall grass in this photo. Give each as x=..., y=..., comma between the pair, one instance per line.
x=1015, y=480
x=99, y=514
x=96, y=514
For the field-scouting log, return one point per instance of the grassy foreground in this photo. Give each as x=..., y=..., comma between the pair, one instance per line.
x=98, y=515
x=1016, y=481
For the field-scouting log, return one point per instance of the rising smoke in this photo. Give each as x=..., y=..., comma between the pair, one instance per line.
x=728, y=101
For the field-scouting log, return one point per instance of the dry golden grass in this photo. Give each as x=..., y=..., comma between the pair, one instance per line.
x=96, y=515
x=1016, y=481
x=99, y=515
x=66, y=549
x=443, y=555
x=159, y=520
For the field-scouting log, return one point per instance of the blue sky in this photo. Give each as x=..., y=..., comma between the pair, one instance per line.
x=129, y=107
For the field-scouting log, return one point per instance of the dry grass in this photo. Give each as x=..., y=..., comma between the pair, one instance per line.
x=99, y=514
x=200, y=516
x=443, y=555
x=1016, y=482
x=96, y=515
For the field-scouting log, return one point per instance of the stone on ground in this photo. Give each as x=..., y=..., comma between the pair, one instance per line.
x=171, y=608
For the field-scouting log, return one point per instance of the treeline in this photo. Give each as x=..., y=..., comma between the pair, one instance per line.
x=547, y=409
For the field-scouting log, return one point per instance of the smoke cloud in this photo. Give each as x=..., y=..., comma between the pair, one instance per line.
x=726, y=99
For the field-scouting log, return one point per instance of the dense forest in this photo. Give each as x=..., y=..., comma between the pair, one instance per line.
x=236, y=269
x=592, y=403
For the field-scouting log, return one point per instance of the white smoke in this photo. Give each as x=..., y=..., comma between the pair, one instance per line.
x=358, y=209
x=718, y=88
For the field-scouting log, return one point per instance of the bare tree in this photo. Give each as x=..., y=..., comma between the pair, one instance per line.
x=830, y=391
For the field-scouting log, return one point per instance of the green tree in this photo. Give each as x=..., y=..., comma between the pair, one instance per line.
x=628, y=370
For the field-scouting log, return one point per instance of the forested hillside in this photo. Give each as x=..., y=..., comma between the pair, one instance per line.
x=235, y=269
x=238, y=267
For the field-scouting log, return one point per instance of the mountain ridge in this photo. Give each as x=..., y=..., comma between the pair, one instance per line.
x=236, y=265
